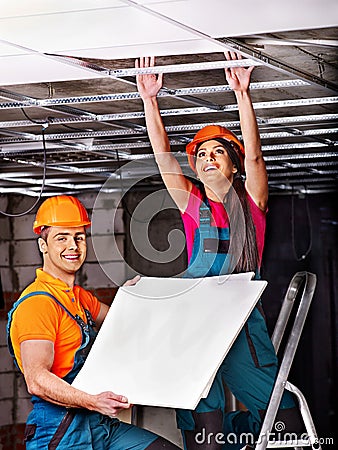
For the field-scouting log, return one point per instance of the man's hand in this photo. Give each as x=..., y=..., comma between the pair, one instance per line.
x=148, y=85
x=133, y=281
x=110, y=404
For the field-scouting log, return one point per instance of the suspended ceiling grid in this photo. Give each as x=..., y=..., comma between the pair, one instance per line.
x=93, y=125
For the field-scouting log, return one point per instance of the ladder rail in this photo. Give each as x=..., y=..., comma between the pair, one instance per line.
x=290, y=350
x=306, y=415
x=285, y=311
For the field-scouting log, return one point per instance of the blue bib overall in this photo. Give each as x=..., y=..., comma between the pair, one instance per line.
x=50, y=426
x=250, y=367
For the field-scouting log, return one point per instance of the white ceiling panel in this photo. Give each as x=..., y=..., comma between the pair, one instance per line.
x=155, y=48
x=7, y=49
x=162, y=325
x=36, y=68
x=24, y=8
x=89, y=29
x=219, y=18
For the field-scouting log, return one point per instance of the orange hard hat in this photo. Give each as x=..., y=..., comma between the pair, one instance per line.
x=208, y=133
x=61, y=211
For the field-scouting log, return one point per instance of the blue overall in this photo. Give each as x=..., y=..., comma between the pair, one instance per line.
x=249, y=369
x=50, y=426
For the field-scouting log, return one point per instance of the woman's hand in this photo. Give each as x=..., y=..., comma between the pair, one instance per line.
x=237, y=77
x=148, y=85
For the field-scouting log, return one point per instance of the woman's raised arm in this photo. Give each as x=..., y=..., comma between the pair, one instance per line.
x=148, y=86
x=256, y=177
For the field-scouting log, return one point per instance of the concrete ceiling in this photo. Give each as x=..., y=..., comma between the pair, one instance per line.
x=70, y=109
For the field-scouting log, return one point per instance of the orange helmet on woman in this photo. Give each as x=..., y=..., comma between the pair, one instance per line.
x=61, y=211
x=208, y=133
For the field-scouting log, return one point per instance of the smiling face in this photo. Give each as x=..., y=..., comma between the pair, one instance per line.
x=64, y=251
x=213, y=162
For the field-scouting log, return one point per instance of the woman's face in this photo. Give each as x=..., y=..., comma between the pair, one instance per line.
x=213, y=163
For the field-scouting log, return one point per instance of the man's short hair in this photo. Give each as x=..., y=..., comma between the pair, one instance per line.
x=44, y=233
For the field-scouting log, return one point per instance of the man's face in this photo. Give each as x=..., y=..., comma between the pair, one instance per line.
x=65, y=249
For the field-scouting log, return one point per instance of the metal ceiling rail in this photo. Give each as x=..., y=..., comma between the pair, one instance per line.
x=123, y=96
x=189, y=67
x=113, y=133
x=273, y=121
x=32, y=191
x=85, y=119
x=238, y=46
x=108, y=72
x=275, y=63
x=105, y=72
x=305, y=187
x=70, y=135
x=315, y=165
x=96, y=185
x=182, y=96
x=90, y=171
x=288, y=134
x=109, y=155
x=284, y=175
x=106, y=171
x=64, y=109
x=22, y=148
x=299, y=165
x=298, y=145
x=56, y=183
x=283, y=190
x=234, y=107
x=294, y=156
x=254, y=39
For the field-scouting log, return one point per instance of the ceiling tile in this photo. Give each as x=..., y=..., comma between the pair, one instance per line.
x=7, y=49
x=259, y=16
x=63, y=32
x=37, y=68
x=155, y=48
x=21, y=8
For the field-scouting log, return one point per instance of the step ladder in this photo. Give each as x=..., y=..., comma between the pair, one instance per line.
x=309, y=438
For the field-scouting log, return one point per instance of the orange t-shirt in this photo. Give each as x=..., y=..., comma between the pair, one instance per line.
x=40, y=317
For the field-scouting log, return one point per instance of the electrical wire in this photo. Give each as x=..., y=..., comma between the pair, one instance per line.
x=32, y=120
x=308, y=250
x=43, y=178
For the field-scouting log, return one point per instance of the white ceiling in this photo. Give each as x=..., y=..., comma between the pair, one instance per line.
x=70, y=115
x=115, y=29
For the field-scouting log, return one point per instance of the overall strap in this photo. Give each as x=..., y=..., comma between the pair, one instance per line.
x=77, y=318
x=47, y=294
x=204, y=210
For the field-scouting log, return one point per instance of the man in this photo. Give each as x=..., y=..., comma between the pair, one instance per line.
x=50, y=331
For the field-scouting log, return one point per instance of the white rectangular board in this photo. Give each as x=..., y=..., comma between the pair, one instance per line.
x=164, y=339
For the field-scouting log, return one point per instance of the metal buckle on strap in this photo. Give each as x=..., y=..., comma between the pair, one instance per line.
x=205, y=213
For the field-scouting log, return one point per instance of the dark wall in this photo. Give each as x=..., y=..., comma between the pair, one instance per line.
x=160, y=221
x=315, y=222
x=306, y=227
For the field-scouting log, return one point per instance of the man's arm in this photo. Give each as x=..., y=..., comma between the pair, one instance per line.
x=37, y=357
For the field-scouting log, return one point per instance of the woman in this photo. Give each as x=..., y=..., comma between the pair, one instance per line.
x=224, y=221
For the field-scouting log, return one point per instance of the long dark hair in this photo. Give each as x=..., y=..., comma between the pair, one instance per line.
x=246, y=260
